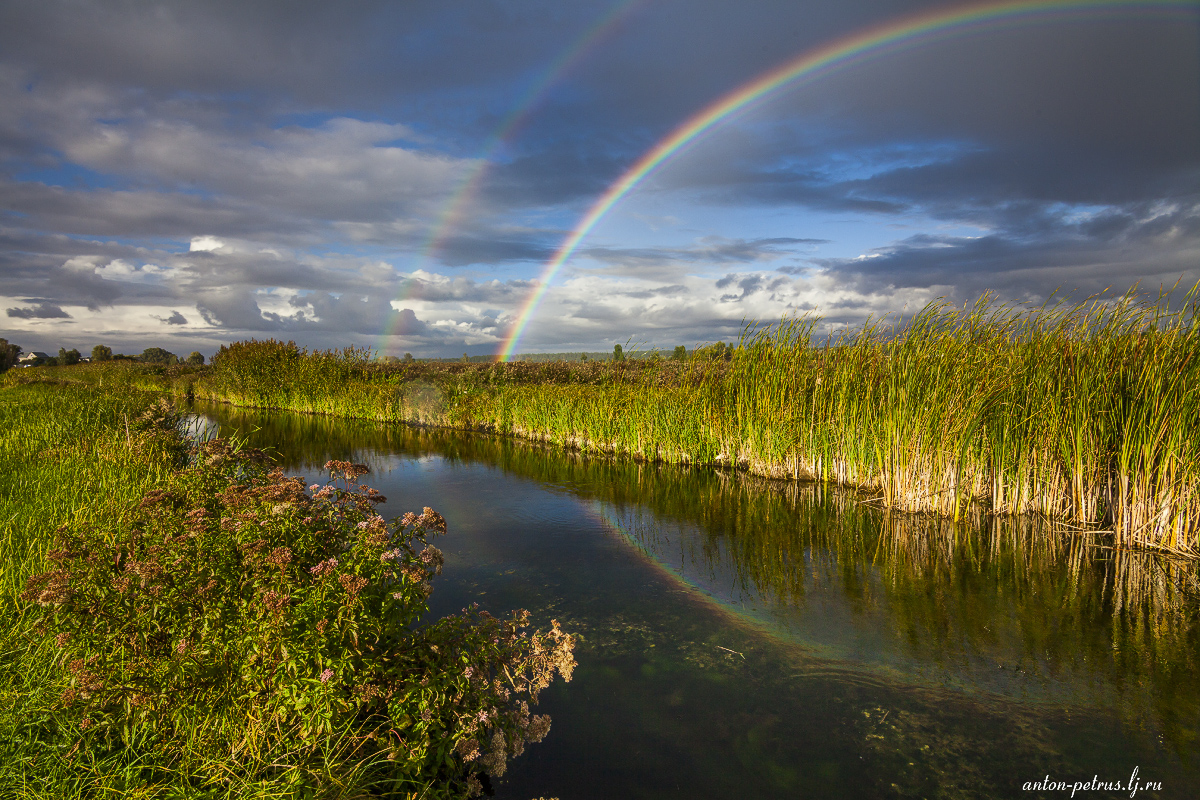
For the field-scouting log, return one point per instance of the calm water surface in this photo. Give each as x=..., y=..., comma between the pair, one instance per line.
x=747, y=639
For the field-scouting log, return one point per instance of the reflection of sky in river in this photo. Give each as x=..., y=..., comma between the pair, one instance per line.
x=737, y=637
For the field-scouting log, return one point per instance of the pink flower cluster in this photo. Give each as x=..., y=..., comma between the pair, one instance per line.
x=326, y=567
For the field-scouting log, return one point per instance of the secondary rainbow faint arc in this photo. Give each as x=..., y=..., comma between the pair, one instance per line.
x=452, y=210
x=872, y=42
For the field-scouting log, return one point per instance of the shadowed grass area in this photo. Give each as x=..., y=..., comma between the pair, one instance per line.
x=1087, y=413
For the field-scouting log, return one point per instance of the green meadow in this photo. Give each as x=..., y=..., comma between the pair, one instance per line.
x=1088, y=414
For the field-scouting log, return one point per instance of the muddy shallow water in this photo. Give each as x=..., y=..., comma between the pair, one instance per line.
x=742, y=638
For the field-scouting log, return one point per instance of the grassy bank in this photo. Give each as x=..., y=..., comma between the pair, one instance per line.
x=200, y=625
x=1088, y=414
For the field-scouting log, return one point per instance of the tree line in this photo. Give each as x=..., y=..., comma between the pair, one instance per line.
x=10, y=356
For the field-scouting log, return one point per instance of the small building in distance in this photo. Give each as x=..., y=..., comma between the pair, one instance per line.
x=34, y=358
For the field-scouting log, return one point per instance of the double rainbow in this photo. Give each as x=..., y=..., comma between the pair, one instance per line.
x=452, y=210
x=872, y=43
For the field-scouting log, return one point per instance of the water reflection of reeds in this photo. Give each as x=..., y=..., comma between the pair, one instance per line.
x=1017, y=605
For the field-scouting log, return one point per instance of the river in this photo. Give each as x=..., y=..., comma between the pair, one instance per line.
x=741, y=638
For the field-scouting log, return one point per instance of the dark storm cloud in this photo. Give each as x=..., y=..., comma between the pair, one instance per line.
x=499, y=248
x=1152, y=242
x=707, y=250
x=749, y=284
x=320, y=144
x=565, y=173
x=42, y=310
x=997, y=130
x=239, y=310
x=175, y=319
x=144, y=213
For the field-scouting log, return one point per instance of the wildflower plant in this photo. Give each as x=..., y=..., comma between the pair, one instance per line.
x=244, y=627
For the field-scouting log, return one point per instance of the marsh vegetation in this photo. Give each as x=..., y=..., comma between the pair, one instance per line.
x=1087, y=414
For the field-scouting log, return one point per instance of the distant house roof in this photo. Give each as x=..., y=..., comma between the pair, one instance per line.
x=34, y=356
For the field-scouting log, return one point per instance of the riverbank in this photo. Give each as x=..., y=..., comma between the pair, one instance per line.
x=1087, y=414
x=200, y=625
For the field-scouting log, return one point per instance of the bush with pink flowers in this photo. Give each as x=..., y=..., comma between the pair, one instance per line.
x=241, y=629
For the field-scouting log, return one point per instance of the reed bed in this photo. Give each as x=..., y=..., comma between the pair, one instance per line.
x=1086, y=413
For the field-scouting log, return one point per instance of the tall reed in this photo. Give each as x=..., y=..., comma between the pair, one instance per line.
x=1089, y=413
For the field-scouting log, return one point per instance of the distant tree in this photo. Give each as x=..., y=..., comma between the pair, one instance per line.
x=680, y=353
x=583, y=357
x=465, y=358
x=9, y=353
x=408, y=357
x=101, y=353
x=67, y=357
x=156, y=355
x=720, y=350
x=196, y=359
x=618, y=353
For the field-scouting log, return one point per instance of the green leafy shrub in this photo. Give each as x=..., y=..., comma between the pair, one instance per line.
x=242, y=628
x=157, y=355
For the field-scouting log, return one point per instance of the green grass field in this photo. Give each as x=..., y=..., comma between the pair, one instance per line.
x=67, y=459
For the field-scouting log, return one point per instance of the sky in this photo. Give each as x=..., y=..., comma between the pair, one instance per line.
x=401, y=175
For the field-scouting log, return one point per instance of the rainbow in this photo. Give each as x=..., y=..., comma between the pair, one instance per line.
x=452, y=210
x=864, y=45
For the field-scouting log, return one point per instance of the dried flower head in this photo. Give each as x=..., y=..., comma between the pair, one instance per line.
x=280, y=557
x=467, y=749
x=353, y=584
x=326, y=567
x=274, y=602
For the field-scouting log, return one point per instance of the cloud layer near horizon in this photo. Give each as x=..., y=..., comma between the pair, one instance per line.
x=187, y=174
